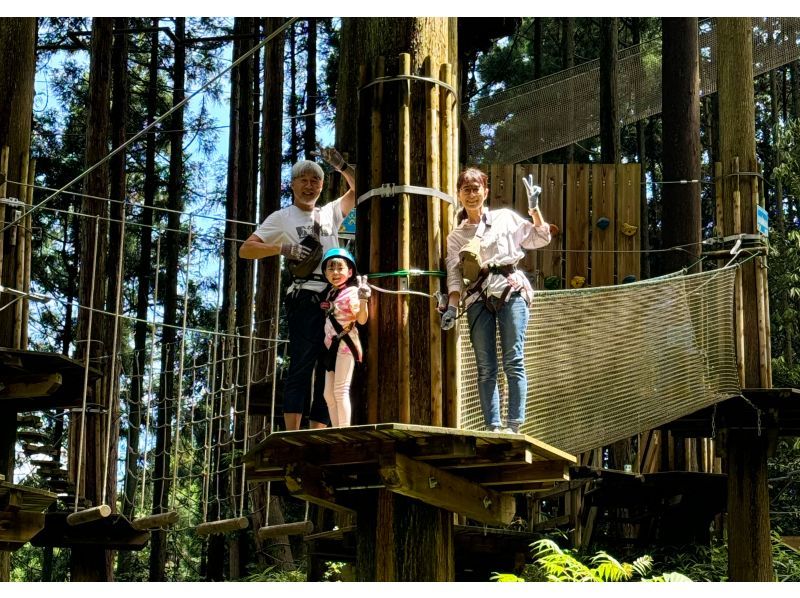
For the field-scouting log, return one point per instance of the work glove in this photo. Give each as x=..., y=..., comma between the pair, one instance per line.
x=332, y=157
x=294, y=251
x=364, y=292
x=533, y=192
x=449, y=318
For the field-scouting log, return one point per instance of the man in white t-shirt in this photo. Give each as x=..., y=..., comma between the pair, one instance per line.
x=283, y=232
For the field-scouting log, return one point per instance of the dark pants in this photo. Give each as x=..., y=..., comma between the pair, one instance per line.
x=306, y=334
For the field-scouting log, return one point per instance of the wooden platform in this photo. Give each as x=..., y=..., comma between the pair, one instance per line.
x=22, y=513
x=473, y=473
x=112, y=533
x=32, y=380
x=779, y=407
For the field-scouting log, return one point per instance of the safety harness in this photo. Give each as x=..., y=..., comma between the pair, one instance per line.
x=471, y=262
x=342, y=333
x=303, y=270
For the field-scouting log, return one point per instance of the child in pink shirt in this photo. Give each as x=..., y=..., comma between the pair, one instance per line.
x=347, y=303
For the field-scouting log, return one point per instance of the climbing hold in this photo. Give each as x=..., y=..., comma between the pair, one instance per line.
x=629, y=278
x=628, y=229
x=553, y=229
x=603, y=222
x=552, y=283
x=577, y=282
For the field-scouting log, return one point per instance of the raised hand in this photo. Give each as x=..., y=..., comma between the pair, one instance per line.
x=364, y=292
x=332, y=157
x=533, y=192
x=294, y=251
x=449, y=318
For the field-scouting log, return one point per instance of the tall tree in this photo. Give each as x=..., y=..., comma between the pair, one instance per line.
x=169, y=339
x=310, y=132
x=680, y=75
x=412, y=540
x=749, y=548
x=609, y=109
x=268, y=269
x=94, y=562
x=17, y=70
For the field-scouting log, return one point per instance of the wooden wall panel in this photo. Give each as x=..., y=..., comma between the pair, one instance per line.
x=602, y=241
x=577, y=222
x=628, y=201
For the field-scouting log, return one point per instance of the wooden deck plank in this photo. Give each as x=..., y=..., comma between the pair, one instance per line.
x=25, y=497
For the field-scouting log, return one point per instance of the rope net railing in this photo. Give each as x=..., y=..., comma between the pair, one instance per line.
x=552, y=112
x=606, y=363
x=185, y=393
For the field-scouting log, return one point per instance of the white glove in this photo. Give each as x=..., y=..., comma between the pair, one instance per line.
x=449, y=318
x=533, y=192
x=332, y=157
x=364, y=292
x=294, y=251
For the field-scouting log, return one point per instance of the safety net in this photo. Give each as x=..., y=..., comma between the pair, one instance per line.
x=606, y=363
x=528, y=120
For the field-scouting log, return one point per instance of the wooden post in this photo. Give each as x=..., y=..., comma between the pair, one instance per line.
x=157, y=521
x=26, y=275
x=449, y=129
x=749, y=546
x=434, y=240
x=375, y=247
x=404, y=241
x=3, y=194
x=222, y=526
x=89, y=515
x=299, y=528
x=18, y=241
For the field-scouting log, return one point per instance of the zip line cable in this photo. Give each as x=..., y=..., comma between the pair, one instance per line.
x=141, y=133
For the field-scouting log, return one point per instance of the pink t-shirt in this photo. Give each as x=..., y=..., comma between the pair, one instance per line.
x=346, y=306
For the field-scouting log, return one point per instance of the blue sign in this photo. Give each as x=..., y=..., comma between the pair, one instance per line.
x=348, y=228
x=762, y=221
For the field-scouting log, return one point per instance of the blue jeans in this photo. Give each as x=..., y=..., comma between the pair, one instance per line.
x=306, y=333
x=512, y=319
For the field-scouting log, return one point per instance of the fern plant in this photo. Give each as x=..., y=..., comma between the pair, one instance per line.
x=557, y=564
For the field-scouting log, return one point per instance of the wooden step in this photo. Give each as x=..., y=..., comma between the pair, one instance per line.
x=61, y=486
x=34, y=421
x=39, y=449
x=33, y=436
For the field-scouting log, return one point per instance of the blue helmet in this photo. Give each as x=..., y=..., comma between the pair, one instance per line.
x=339, y=252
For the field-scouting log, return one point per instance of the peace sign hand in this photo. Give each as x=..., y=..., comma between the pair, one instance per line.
x=364, y=292
x=533, y=192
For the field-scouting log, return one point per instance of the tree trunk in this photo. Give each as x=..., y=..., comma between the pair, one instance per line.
x=118, y=186
x=17, y=40
x=94, y=563
x=749, y=550
x=246, y=211
x=310, y=133
x=294, y=141
x=641, y=145
x=681, y=134
x=17, y=69
x=609, y=117
x=169, y=339
x=268, y=277
x=411, y=540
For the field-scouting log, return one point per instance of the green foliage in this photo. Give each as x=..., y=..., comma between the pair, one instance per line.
x=710, y=563
x=553, y=563
x=276, y=574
